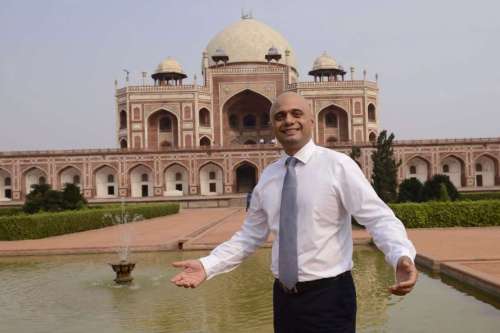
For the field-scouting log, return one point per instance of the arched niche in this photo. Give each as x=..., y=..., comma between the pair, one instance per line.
x=245, y=177
x=454, y=168
x=486, y=171
x=70, y=175
x=34, y=176
x=5, y=185
x=162, y=128
x=106, y=182
x=176, y=180
x=333, y=122
x=141, y=181
x=419, y=168
x=211, y=179
x=204, y=117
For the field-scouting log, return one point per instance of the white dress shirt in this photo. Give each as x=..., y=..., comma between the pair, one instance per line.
x=330, y=188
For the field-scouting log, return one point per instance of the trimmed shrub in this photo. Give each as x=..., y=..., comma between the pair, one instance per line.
x=51, y=224
x=449, y=214
x=479, y=196
x=72, y=198
x=43, y=198
x=432, y=188
x=9, y=211
x=410, y=190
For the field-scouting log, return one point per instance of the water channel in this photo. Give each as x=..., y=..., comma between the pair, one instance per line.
x=77, y=294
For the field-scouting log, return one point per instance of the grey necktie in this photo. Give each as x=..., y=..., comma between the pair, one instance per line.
x=288, y=266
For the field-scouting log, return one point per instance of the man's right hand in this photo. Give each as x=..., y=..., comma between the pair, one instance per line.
x=192, y=275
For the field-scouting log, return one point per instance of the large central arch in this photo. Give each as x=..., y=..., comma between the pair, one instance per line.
x=245, y=118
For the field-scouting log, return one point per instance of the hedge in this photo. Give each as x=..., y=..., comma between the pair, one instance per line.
x=449, y=214
x=51, y=224
x=9, y=211
x=479, y=196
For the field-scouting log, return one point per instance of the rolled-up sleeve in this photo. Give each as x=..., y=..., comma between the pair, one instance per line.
x=228, y=255
x=361, y=201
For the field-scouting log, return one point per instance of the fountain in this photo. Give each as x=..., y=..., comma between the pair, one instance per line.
x=123, y=268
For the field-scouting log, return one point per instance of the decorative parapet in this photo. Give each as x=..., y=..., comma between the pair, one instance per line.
x=334, y=84
x=161, y=89
x=250, y=68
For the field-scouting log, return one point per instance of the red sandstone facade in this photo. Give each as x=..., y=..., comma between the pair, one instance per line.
x=214, y=137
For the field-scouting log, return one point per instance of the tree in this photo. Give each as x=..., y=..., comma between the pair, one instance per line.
x=42, y=197
x=443, y=193
x=355, y=154
x=72, y=198
x=432, y=189
x=385, y=168
x=410, y=190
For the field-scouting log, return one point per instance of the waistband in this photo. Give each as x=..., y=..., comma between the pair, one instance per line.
x=304, y=286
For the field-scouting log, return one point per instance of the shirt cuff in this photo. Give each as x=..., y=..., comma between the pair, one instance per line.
x=395, y=258
x=209, y=262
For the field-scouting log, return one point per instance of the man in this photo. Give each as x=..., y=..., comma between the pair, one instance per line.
x=306, y=200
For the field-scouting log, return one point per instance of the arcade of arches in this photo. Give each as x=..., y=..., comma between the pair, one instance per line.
x=246, y=119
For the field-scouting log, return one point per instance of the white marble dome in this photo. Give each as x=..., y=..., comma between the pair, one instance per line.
x=169, y=65
x=249, y=40
x=324, y=61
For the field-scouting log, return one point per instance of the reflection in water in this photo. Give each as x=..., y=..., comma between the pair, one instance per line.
x=77, y=294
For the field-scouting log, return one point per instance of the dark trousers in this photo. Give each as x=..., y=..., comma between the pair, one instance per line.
x=324, y=307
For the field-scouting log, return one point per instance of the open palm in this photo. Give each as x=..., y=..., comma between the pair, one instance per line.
x=192, y=275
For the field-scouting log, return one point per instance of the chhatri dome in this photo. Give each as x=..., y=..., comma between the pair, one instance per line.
x=169, y=70
x=324, y=61
x=249, y=40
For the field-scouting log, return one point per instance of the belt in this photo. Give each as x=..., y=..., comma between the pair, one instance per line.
x=302, y=287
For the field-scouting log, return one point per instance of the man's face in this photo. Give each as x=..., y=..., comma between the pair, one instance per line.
x=292, y=122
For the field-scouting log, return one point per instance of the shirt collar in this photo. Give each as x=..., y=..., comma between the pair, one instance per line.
x=304, y=154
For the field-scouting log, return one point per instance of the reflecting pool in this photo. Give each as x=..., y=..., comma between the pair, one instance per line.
x=77, y=294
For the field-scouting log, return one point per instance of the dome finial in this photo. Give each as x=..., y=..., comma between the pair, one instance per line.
x=246, y=14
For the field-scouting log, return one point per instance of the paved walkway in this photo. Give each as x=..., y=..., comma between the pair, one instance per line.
x=470, y=255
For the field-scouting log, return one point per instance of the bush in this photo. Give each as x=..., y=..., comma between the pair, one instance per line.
x=51, y=224
x=9, y=211
x=432, y=188
x=43, y=198
x=410, y=190
x=449, y=214
x=479, y=196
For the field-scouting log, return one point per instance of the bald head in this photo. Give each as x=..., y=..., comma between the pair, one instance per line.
x=290, y=97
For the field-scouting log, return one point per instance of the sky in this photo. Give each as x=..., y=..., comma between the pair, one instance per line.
x=437, y=61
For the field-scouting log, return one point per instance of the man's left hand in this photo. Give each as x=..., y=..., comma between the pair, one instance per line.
x=406, y=277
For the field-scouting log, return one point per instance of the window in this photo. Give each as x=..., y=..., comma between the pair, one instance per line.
x=144, y=177
x=8, y=193
x=204, y=141
x=178, y=187
x=264, y=120
x=233, y=121
x=165, y=124
x=123, y=144
x=211, y=175
x=413, y=170
x=479, y=167
x=123, y=119
x=212, y=188
x=111, y=190
x=446, y=168
x=479, y=180
x=204, y=118
x=178, y=176
x=7, y=181
x=249, y=121
x=144, y=190
x=111, y=178
x=76, y=179
x=330, y=120
x=371, y=112
x=372, y=137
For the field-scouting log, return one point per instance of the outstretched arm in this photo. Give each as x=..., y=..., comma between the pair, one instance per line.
x=406, y=277
x=228, y=255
